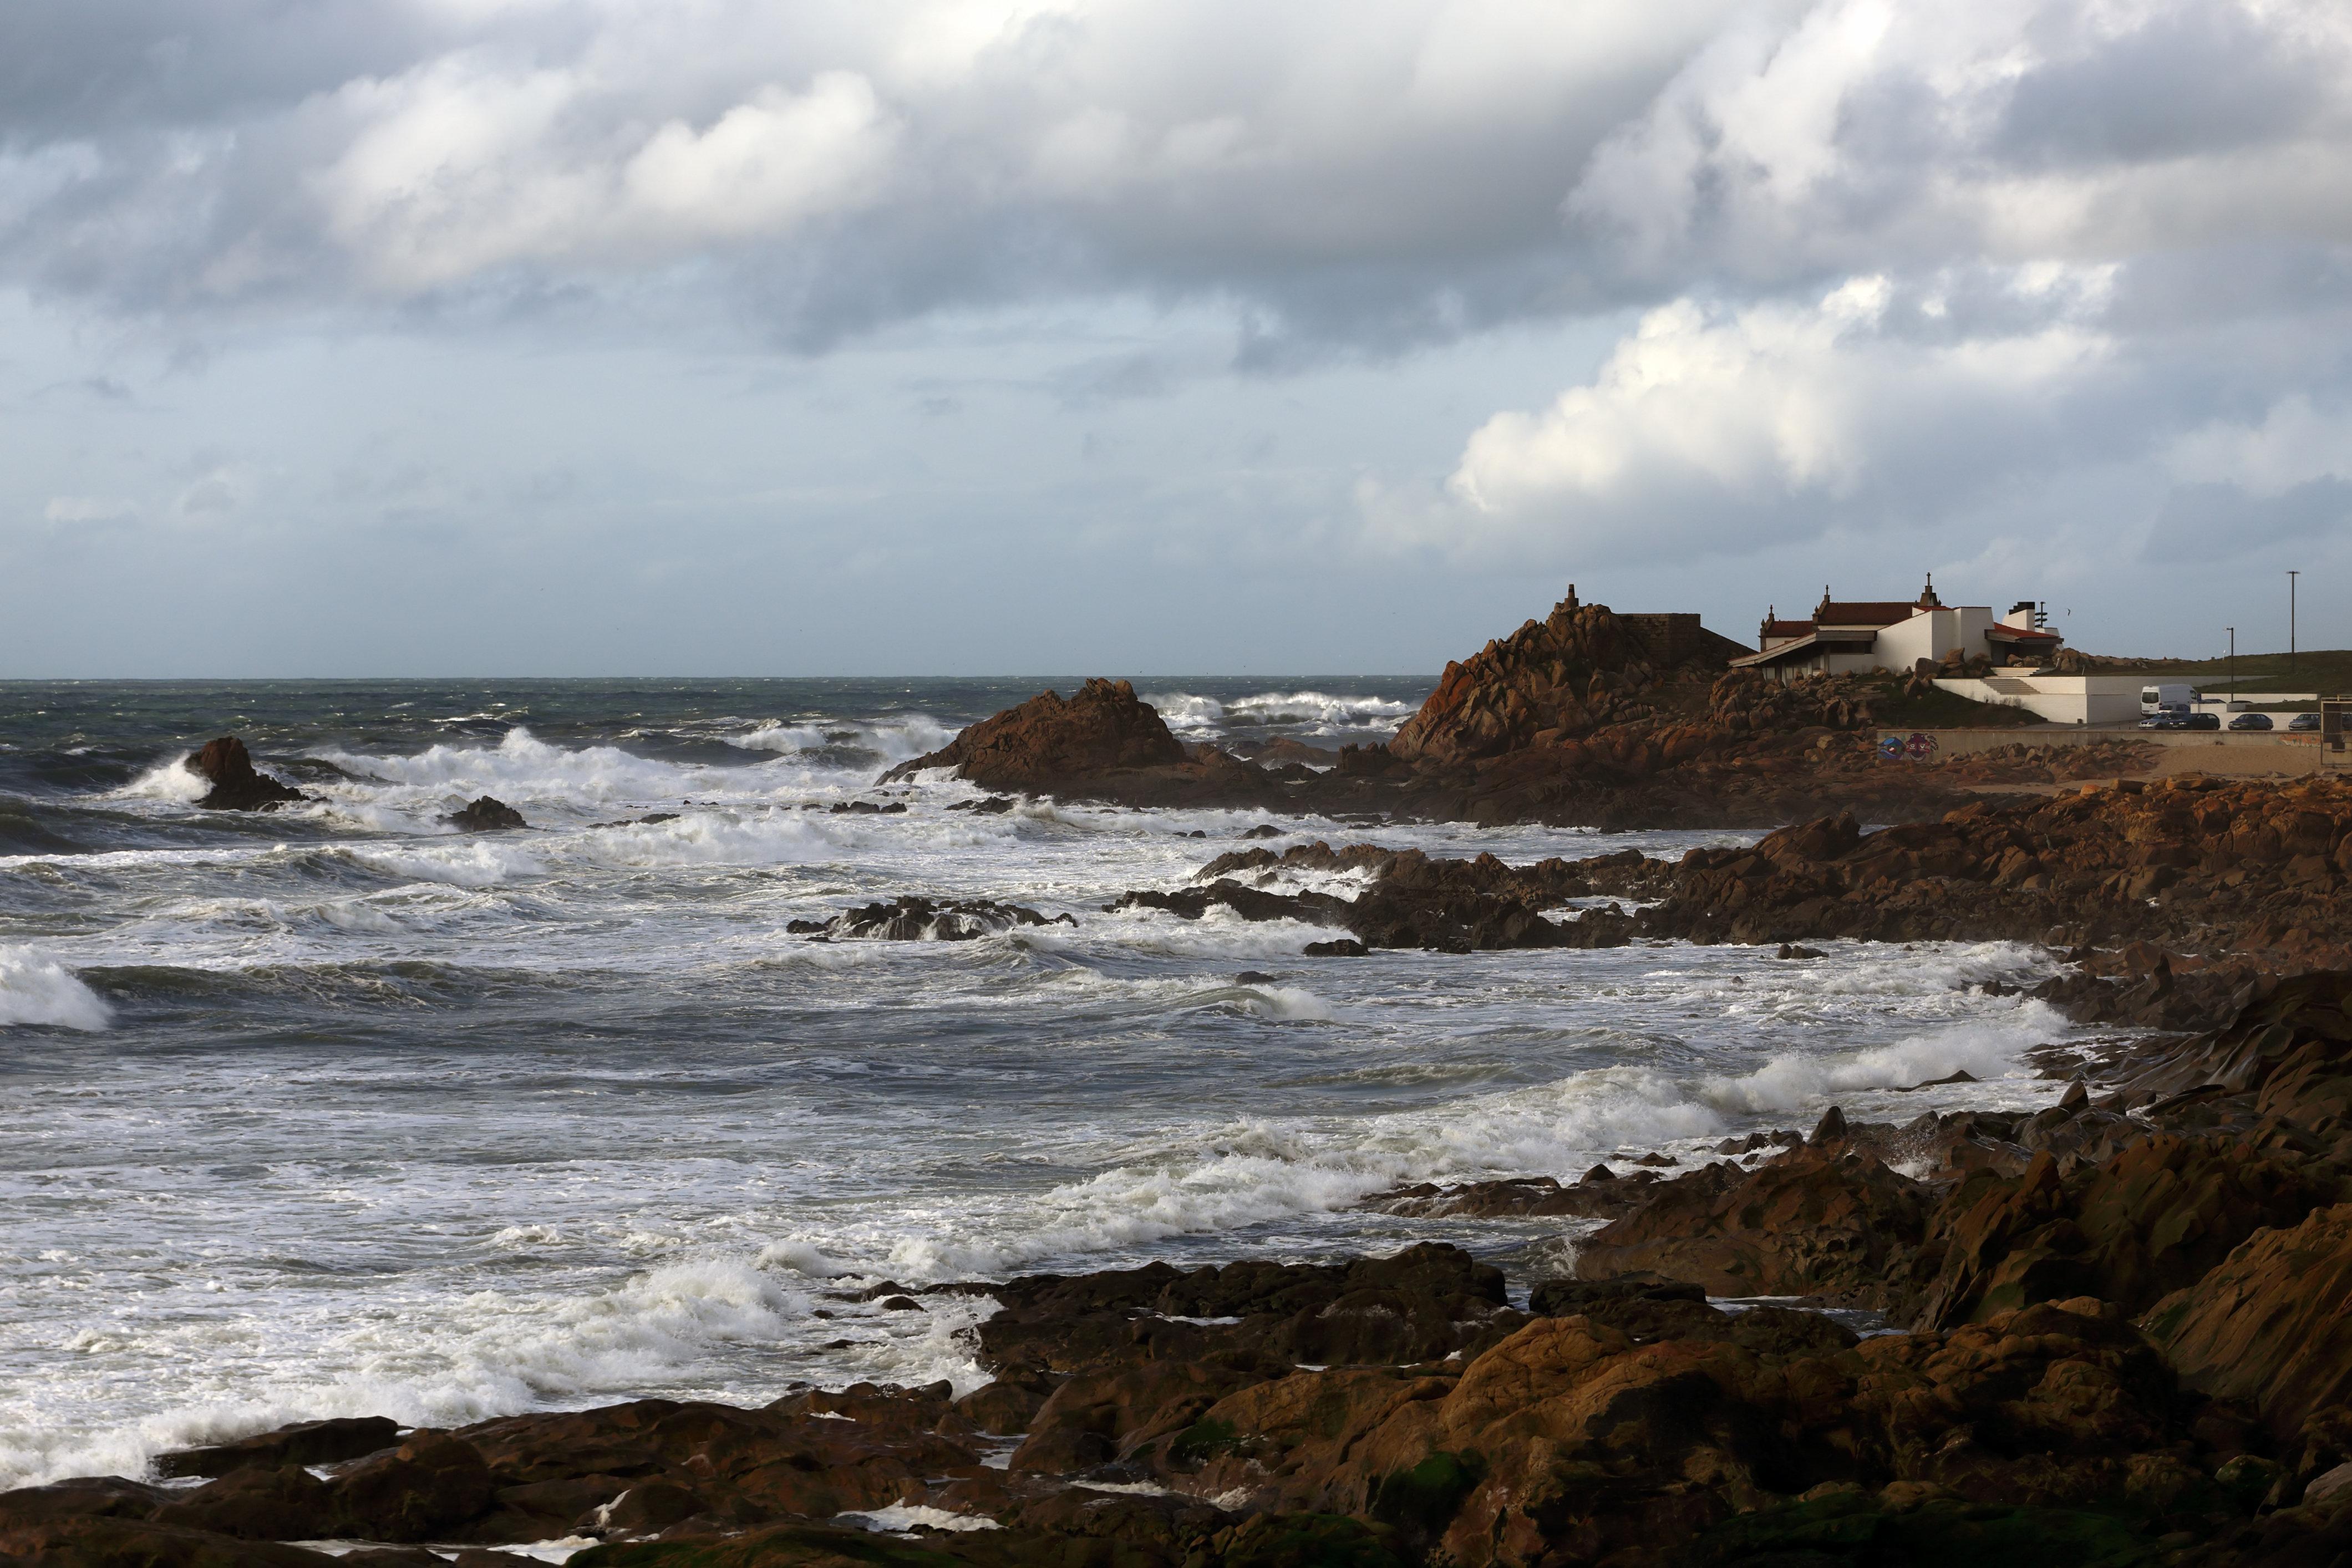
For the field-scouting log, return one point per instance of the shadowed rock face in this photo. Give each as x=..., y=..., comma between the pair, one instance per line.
x=236, y=785
x=2272, y=1325
x=1051, y=743
x=2153, y=1219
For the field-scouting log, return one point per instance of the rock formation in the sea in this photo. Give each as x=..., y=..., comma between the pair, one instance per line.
x=914, y=919
x=1410, y=899
x=1102, y=744
x=486, y=814
x=1051, y=741
x=236, y=785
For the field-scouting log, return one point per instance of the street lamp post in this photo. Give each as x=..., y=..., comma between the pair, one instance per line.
x=2289, y=625
x=2233, y=664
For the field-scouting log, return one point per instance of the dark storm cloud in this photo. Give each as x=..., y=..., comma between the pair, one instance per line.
x=1377, y=176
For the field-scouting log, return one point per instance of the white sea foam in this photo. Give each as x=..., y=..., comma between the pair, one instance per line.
x=907, y=1515
x=468, y=862
x=1184, y=711
x=1287, y=1002
x=526, y=767
x=170, y=779
x=894, y=740
x=34, y=989
x=1326, y=714
x=1789, y=1082
x=495, y=1352
x=1312, y=713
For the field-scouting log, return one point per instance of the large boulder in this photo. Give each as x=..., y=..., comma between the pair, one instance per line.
x=236, y=786
x=1819, y=1221
x=1051, y=743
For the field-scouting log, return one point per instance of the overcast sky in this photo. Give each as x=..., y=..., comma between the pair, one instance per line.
x=777, y=336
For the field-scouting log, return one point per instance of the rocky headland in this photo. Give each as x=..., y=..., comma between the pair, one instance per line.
x=1567, y=721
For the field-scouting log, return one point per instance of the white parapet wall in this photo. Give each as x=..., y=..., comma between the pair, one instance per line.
x=2058, y=699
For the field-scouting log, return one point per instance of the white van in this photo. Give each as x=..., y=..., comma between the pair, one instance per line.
x=2156, y=699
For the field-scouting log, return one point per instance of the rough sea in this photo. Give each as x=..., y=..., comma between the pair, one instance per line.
x=335, y=1111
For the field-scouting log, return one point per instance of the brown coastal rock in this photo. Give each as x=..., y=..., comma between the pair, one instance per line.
x=1051, y=744
x=1815, y=1222
x=1549, y=680
x=303, y=1443
x=2272, y=1325
x=2154, y=1218
x=486, y=814
x=1569, y=1442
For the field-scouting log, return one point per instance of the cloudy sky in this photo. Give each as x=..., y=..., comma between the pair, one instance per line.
x=411, y=337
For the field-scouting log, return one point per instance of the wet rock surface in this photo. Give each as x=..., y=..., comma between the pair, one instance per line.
x=913, y=919
x=237, y=784
x=484, y=814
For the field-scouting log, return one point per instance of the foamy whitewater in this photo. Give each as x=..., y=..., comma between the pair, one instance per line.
x=335, y=1111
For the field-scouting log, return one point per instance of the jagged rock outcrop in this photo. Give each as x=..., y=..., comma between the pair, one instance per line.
x=1569, y=1442
x=2154, y=1218
x=236, y=785
x=1413, y=900
x=1550, y=679
x=2195, y=864
x=2271, y=1325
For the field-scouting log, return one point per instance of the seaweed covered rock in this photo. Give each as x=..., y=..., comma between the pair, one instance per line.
x=1570, y=1442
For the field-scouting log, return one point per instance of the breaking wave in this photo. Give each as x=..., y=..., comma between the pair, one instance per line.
x=37, y=990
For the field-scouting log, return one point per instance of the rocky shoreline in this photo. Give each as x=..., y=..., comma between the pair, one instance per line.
x=2118, y=1323
x=2110, y=1330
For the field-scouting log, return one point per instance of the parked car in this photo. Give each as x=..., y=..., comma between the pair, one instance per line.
x=2202, y=721
x=2304, y=721
x=2251, y=721
x=2167, y=718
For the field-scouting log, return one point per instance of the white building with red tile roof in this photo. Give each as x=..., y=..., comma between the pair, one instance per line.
x=1860, y=636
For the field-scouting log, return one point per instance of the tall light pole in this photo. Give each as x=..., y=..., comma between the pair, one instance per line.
x=2233, y=663
x=2290, y=624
